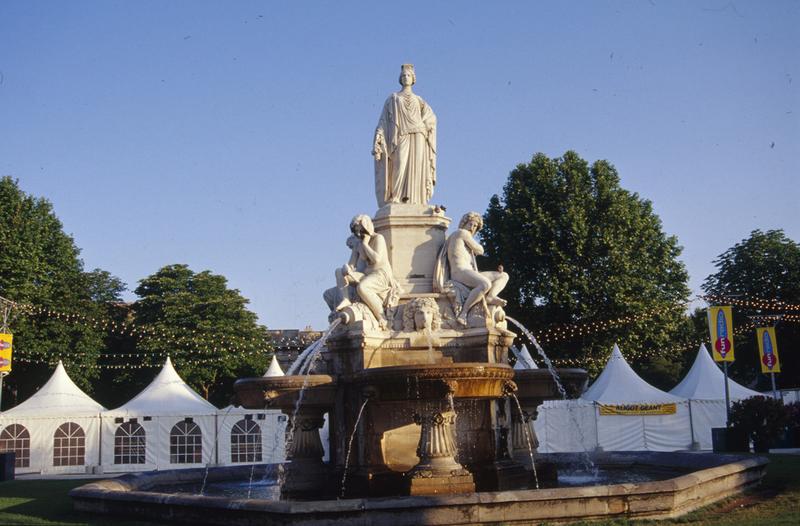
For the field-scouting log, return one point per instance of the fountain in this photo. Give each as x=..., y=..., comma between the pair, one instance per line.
x=428, y=424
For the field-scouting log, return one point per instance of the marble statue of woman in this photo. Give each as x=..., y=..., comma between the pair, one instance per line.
x=405, y=146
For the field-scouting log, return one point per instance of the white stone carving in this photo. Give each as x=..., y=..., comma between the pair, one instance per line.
x=366, y=277
x=422, y=314
x=457, y=276
x=404, y=146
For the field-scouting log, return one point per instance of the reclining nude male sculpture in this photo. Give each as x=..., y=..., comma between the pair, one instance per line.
x=457, y=269
x=367, y=276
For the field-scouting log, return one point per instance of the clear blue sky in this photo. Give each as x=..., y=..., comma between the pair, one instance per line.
x=236, y=136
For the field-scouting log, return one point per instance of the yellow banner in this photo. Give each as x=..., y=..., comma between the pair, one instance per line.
x=637, y=409
x=5, y=352
x=768, y=348
x=720, y=325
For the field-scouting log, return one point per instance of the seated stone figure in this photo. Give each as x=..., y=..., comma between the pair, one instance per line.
x=367, y=276
x=457, y=273
x=347, y=278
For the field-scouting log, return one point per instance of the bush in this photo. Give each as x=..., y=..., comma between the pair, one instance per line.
x=793, y=415
x=762, y=418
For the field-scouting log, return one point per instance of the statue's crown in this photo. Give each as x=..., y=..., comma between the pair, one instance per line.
x=407, y=67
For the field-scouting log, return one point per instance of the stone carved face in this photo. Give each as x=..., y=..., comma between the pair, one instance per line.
x=423, y=319
x=472, y=222
x=420, y=314
x=406, y=78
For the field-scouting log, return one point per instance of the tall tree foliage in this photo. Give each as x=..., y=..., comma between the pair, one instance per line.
x=40, y=266
x=765, y=266
x=579, y=249
x=206, y=328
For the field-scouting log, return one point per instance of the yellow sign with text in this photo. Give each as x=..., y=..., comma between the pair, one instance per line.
x=720, y=325
x=637, y=409
x=768, y=349
x=5, y=352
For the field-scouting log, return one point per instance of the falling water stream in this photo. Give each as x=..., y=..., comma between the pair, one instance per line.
x=313, y=352
x=587, y=461
x=526, y=426
x=350, y=447
x=429, y=336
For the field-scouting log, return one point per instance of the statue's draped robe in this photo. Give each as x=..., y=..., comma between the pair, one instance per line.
x=406, y=140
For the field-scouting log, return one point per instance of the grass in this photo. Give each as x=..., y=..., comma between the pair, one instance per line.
x=46, y=503
x=775, y=502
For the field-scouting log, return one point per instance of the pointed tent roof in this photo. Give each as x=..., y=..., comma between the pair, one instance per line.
x=525, y=360
x=167, y=395
x=705, y=381
x=619, y=384
x=58, y=397
x=274, y=368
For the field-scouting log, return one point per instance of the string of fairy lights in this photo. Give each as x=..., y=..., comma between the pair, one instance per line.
x=188, y=347
x=751, y=302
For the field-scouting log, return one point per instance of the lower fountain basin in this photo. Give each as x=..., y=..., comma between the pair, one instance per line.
x=435, y=382
x=698, y=479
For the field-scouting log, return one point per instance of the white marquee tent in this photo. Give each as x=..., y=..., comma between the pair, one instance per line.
x=704, y=387
x=57, y=430
x=586, y=424
x=247, y=435
x=166, y=426
x=60, y=429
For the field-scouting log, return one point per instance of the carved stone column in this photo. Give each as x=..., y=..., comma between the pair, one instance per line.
x=305, y=443
x=520, y=450
x=437, y=470
x=305, y=473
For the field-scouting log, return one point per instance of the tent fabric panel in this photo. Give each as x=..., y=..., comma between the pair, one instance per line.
x=566, y=427
x=707, y=414
x=166, y=424
x=42, y=431
x=152, y=443
x=668, y=432
x=621, y=433
x=272, y=430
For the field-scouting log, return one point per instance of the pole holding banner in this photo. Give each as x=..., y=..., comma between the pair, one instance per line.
x=768, y=350
x=6, y=343
x=720, y=325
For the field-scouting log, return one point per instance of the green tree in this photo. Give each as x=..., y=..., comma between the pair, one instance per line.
x=204, y=326
x=40, y=269
x=764, y=266
x=579, y=249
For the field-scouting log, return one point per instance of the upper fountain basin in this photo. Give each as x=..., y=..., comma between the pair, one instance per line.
x=540, y=384
x=436, y=381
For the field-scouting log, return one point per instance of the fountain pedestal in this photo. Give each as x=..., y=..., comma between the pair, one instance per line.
x=305, y=474
x=437, y=470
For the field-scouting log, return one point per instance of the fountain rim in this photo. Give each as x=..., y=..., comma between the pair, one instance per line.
x=426, y=372
x=725, y=469
x=293, y=381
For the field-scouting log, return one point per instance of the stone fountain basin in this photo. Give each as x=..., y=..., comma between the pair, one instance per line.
x=282, y=392
x=702, y=478
x=538, y=384
x=435, y=382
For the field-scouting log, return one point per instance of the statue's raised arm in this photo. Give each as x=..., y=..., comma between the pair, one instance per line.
x=404, y=146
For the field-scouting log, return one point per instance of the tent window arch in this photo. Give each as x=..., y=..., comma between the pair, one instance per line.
x=185, y=443
x=129, y=444
x=69, y=445
x=17, y=439
x=246, y=441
